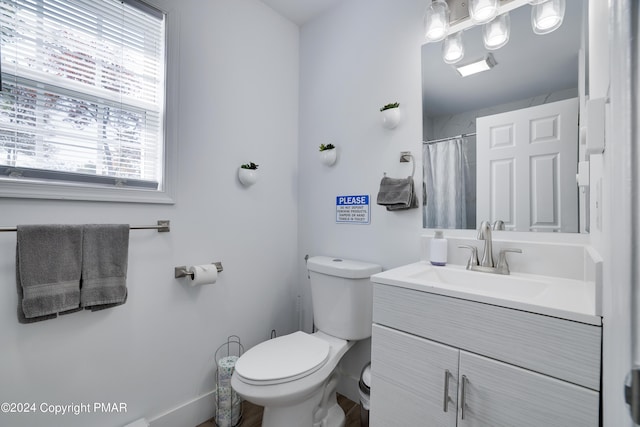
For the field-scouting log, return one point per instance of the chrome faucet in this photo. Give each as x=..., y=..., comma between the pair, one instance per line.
x=487, y=264
x=484, y=233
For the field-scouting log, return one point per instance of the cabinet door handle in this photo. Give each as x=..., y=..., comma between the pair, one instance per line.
x=446, y=390
x=462, y=396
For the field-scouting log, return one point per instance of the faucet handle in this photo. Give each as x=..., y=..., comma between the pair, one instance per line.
x=473, y=259
x=484, y=231
x=503, y=266
x=498, y=225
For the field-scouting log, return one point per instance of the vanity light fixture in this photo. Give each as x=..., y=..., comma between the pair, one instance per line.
x=495, y=34
x=483, y=11
x=546, y=16
x=452, y=48
x=484, y=64
x=436, y=21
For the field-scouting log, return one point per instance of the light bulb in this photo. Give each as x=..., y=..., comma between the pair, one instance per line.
x=484, y=64
x=495, y=34
x=452, y=48
x=436, y=21
x=482, y=11
x=547, y=16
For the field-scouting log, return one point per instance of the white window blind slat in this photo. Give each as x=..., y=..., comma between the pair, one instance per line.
x=141, y=70
x=83, y=91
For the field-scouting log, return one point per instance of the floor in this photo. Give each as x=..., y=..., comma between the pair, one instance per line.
x=252, y=414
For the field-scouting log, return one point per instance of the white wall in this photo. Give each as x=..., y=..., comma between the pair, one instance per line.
x=238, y=102
x=354, y=59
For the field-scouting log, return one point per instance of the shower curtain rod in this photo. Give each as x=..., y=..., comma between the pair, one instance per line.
x=434, y=141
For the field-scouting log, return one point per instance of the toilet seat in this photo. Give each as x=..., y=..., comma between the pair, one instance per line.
x=283, y=359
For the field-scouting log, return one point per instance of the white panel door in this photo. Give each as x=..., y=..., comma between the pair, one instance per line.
x=526, y=167
x=414, y=381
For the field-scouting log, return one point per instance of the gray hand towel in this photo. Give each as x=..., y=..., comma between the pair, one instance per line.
x=413, y=202
x=48, y=268
x=104, y=266
x=397, y=194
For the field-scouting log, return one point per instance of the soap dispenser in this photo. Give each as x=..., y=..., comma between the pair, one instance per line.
x=438, y=255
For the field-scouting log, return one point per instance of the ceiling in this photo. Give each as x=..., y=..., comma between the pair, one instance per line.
x=300, y=11
x=529, y=65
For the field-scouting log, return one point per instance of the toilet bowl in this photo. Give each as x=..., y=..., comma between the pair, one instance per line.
x=299, y=389
x=294, y=377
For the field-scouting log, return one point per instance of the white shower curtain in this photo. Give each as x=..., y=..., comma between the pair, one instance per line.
x=447, y=185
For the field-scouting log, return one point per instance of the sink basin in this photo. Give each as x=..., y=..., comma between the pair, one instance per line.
x=481, y=283
x=559, y=297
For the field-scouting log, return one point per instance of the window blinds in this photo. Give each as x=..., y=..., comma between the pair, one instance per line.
x=82, y=91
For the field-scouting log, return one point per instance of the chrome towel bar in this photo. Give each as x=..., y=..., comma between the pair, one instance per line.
x=163, y=226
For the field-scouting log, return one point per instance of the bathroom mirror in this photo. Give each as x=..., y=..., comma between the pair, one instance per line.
x=531, y=70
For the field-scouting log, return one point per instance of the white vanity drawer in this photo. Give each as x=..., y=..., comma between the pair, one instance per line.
x=560, y=348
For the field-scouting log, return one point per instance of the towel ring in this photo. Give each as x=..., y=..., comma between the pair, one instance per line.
x=406, y=157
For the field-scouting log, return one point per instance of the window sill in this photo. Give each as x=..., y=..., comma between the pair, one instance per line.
x=65, y=191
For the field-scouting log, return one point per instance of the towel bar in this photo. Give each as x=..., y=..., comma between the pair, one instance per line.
x=163, y=226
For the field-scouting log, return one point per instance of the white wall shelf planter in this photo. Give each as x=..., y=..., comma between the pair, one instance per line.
x=329, y=157
x=247, y=177
x=390, y=117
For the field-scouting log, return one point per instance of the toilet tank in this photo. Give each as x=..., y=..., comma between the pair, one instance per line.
x=342, y=296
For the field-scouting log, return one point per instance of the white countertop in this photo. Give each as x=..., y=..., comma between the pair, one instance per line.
x=558, y=297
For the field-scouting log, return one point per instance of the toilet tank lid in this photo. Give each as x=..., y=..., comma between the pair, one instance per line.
x=346, y=268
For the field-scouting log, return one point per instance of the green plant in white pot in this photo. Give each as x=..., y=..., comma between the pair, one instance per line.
x=248, y=173
x=390, y=115
x=328, y=154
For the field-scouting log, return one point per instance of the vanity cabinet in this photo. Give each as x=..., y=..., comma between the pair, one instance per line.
x=410, y=379
x=444, y=361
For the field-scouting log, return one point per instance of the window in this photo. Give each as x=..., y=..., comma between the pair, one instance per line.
x=82, y=101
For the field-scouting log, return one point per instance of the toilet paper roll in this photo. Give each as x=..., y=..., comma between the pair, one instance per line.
x=226, y=394
x=226, y=365
x=203, y=274
x=225, y=370
x=223, y=419
x=227, y=400
x=229, y=406
x=227, y=418
x=227, y=413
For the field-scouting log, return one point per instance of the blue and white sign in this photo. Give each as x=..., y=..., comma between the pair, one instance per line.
x=353, y=209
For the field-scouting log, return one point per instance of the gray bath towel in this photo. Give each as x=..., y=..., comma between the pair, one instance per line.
x=397, y=194
x=48, y=269
x=104, y=266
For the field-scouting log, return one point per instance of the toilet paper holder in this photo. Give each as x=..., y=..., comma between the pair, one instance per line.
x=182, y=271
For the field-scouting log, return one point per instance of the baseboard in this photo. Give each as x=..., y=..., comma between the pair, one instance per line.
x=189, y=414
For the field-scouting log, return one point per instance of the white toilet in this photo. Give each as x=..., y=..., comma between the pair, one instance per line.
x=294, y=376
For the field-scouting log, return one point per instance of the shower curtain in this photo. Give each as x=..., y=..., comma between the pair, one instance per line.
x=449, y=189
